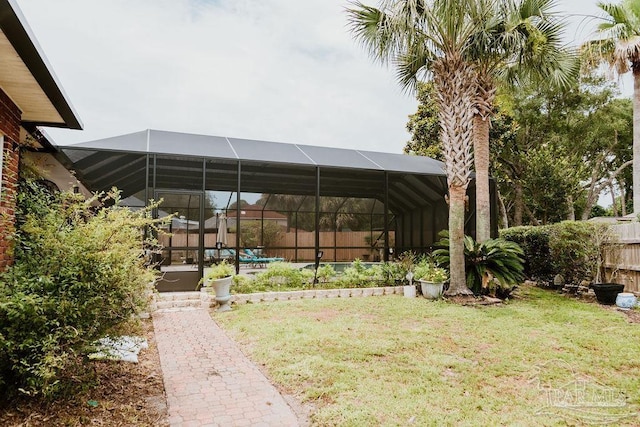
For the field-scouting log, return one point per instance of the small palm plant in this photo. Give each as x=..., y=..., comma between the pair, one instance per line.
x=495, y=266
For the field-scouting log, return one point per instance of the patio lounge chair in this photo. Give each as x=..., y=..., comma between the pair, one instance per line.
x=215, y=256
x=257, y=261
x=251, y=254
x=247, y=257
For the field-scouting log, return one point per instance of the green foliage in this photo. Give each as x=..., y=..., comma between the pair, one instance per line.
x=496, y=260
x=393, y=272
x=570, y=248
x=534, y=241
x=359, y=276
x=78, y=274
x=424, y=126
x=573, y=250
x=325, y=273
x=429, y=272
x=396, y=272
x=564, y=148
x=282, y=276
x=252, y=234
x=243, y=285
x=219, y=271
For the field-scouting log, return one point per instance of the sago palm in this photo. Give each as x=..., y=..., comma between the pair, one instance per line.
x=618, y=44
x=493, y=260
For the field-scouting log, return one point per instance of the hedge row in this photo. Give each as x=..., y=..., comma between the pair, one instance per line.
x=570, y=249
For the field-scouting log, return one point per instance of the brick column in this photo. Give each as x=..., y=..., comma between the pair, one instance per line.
x=10, y=116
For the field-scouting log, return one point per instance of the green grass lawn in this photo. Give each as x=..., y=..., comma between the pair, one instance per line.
x=399, y=361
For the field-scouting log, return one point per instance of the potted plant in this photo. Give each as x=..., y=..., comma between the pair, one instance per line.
x=431, y=279
x=219, y=278
x=602, y=239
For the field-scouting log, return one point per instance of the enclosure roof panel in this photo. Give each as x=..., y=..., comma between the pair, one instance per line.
x=216, y=147
x=266, y=151
x=405, y=163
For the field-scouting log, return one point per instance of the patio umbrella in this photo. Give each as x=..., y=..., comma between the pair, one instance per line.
x=222, y=230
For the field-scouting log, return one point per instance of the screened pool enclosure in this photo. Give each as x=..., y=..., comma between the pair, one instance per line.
x=280, y=200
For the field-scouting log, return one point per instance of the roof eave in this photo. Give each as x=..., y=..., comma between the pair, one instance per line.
x=19, y=34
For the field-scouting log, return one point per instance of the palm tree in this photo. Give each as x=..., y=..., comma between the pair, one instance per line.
x=515, y=41
x=432, y=39
x=618, y=44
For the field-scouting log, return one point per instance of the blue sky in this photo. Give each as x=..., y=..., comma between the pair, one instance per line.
x=279, y=70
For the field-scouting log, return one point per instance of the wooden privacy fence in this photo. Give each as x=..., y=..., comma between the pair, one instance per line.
x=338, y=246
x=622, y=257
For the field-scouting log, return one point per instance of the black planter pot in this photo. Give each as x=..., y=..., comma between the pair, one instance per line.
x=606, y=293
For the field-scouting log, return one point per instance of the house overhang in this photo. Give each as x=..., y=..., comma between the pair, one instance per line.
x=26, y=76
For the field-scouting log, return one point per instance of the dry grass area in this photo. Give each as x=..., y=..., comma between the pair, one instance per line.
x=126, y=394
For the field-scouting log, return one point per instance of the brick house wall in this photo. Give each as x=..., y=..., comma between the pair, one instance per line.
x=10, y=117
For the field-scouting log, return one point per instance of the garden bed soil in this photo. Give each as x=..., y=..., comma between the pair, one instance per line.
x=128, y=394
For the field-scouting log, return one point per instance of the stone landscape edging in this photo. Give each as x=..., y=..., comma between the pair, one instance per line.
x=208, y=299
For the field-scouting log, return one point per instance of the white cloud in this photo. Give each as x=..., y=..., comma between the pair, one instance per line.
x=280, y=70
x=276, y=70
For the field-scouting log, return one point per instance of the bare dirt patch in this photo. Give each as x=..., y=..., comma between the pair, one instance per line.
x=127, y=394
x=633, y=316
x=473, y=300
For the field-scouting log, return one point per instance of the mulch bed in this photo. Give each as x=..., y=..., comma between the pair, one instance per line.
x=127, y=394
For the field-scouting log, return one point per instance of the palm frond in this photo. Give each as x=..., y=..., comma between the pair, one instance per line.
x=373, y=28
x=618, y=39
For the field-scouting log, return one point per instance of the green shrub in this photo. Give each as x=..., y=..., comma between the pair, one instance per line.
x=282, y=276
x=357, y=275
x=396, y=272
x=325, y=273
x=78, y=274
x=534, y=241
x=243, y=285
x=569, y=248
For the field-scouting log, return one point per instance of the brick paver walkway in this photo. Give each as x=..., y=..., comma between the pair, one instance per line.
x=208, y=380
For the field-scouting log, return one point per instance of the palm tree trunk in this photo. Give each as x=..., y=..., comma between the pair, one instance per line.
x=636, y=139
x=481, y=162
x=458, y=282
x=455, y=93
